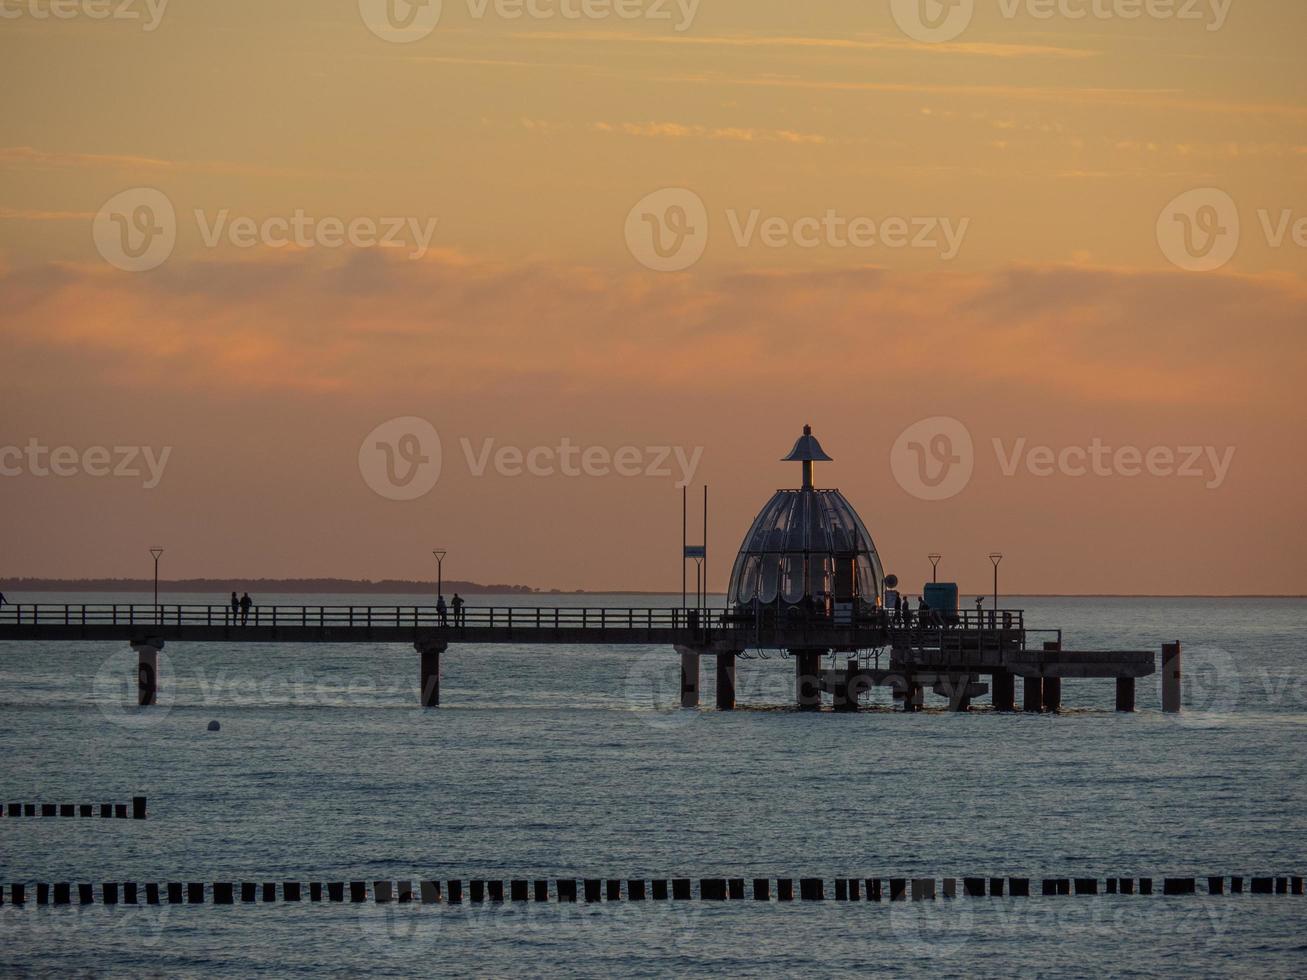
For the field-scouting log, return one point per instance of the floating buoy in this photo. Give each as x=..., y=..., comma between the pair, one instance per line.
x=214, y=726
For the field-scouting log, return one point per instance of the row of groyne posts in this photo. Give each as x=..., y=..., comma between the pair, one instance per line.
x=1041, y=680
x=594, y=890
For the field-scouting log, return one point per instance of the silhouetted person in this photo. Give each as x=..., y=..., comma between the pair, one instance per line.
x=235, y=608
x=898, y=609
x=457, y=603
x=980, y=601
x=441, y=610
x=906, y=606
x=246, y=602
x=3, y=600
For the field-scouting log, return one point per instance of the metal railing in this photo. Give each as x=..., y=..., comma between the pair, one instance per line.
x=481, y=617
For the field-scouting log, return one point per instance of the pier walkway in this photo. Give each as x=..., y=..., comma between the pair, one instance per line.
x=948, y=653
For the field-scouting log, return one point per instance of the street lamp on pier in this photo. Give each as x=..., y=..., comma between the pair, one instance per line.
x=934, y=565
x=440, y=571
x=156, y=552
x=995, y=557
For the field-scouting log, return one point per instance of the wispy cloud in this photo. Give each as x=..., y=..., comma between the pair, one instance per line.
x=28, y=157
x=738, y=134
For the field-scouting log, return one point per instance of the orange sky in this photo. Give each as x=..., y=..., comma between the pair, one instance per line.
x=1060, y=232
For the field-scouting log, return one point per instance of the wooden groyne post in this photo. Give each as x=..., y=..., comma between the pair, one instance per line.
x=1171, y=677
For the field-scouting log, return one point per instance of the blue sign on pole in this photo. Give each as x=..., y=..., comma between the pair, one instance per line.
x=696, y=551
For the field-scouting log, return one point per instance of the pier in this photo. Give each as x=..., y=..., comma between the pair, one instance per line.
x=960, y=658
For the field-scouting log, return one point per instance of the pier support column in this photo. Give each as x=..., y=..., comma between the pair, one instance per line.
x=429, y=651
x=1003, y=695
x=689, y=677
x=847, y=690
x=726, y=681
x=1032, y=695
x=147, y=671
x=1125, y=694
x=1171, y=677
x=807, y=688
x=914, y=694
x=1053, y=694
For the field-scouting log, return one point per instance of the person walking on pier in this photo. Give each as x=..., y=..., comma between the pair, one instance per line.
x=3, y=600
x=246, y=602
x=898, y=609
x=441, y=610
x=458, y=610
x=235, y=608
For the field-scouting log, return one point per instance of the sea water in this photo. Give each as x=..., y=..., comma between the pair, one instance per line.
x=575, y=762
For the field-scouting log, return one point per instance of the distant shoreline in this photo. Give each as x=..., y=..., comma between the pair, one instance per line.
x=336, y=586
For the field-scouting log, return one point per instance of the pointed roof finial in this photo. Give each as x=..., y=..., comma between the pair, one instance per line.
x=807, y=449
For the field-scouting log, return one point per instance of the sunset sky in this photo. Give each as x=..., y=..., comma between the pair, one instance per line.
x=1024, y=187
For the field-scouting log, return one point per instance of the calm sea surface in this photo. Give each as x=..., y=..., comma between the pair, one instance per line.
x=571, y=762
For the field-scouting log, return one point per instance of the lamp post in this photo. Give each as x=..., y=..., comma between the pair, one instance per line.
x=995, y=557
x=440, y=571
x=934, y=566
x=156, y=551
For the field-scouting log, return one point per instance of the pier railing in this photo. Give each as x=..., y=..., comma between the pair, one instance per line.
x=473, y=617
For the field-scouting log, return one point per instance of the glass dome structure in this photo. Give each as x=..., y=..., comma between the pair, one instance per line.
x=807, y=546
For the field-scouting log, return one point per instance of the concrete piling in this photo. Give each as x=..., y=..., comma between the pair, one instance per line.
x=973, y=887
x=43, y=893
x=1145, y=886
x=1236, y=885
x=635, y=890
x=477, y=891
x=996, y=886
x=147, y=671
x=1171, y=689
x=1052, y=694
x=807, y=685
x=540, y=889
x=518, y=890
x=1179, y=886
x=762, y=889
x=949, y=887
x=1019, y=887
x=681, y=889
x=855, y=890
x=495, y=890
x=659, y=887
x=812, y=890
x=1111, y=886
x=336, y=891
x=195, y=892
x=1032, y=694
x=358, y=891
x=1003, y=691
x=454, y=891
x=290, y=891
x=151, y=892
x=689, y=677
x=174, y=893
x=120, y=811
x=129, y=893
x=430, y=891
x=249, y=891
x=1125, y=694
x=1086, y=886
x=784, y=889
x=566, y=889
x=222, y=893
x=62, y=893
x=429, y=671
x=726, y=682
x=85, y=894
x=841, y=889
x=735, y=889
x=873, y=889
x=593, y=890
x=712, y=889
x=138, y=808
x=898, y=889
x=1127, y=885
x=613, y=890
x=381, y=892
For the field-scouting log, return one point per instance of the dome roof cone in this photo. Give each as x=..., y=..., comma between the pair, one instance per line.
x=807, y=450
